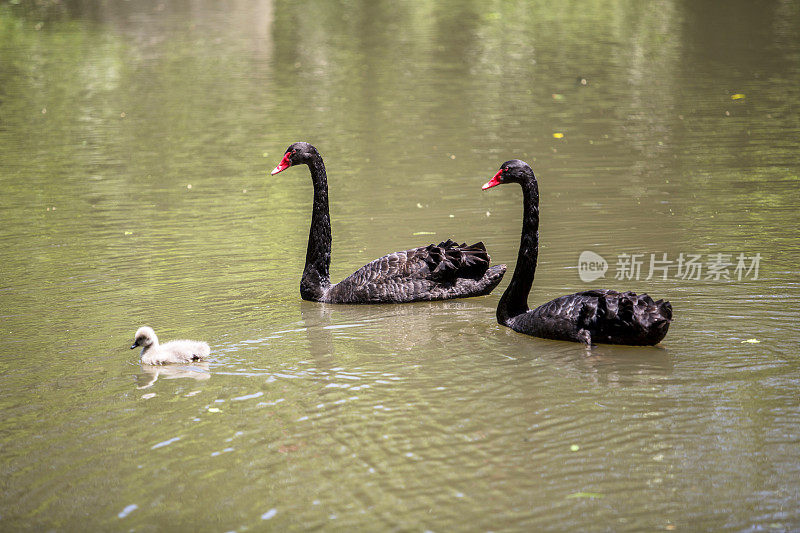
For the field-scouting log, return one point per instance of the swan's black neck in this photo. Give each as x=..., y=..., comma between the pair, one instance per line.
x=515, y=300
x=316, y=278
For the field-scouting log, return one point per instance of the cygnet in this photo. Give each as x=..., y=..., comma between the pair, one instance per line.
x=171, y=352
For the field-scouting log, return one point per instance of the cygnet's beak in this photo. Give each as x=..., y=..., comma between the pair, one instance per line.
x=134, y=345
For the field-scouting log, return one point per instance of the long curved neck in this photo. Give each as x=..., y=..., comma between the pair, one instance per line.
x=316, y=278
x=515, y=299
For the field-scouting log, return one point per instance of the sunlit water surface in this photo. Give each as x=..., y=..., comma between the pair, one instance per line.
x=134, y=143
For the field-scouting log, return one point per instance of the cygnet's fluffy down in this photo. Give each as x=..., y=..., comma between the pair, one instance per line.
x=170, y=352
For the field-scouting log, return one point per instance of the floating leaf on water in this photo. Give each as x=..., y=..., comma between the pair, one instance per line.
x=148, y=395
x=189, y=186
x=128, y=233
x=737, y=96
x=585, y=495
x=557, y=96
x=558, y=135
x=269, y=514
x=751, y=341
x=574, y=448
x=419, y=205
x=213, y=409
x=424, y=233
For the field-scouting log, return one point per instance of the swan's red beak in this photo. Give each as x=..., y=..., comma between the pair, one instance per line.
x=494, y=181
x=283, y=165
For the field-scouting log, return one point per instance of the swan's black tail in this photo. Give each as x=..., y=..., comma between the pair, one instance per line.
x=624, y=318
x=449, y=261
x=661, y=320
x=653, y=317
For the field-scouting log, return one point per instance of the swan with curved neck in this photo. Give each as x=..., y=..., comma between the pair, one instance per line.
x=590, y=317
x=434, y=272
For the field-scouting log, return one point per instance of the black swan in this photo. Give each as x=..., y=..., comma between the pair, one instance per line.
x=434, y=272
x=596, y=316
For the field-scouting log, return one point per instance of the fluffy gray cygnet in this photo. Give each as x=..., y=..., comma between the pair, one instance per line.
x=171, y=352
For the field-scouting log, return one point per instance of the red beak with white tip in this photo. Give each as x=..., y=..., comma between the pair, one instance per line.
x=285, y=163
x=494, y=181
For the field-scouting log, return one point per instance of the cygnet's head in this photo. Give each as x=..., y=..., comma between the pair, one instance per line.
x=145, y=336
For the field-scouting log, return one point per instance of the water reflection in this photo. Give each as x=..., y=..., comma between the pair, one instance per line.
x=420, y=326
x=619, y=367
x=151, y=373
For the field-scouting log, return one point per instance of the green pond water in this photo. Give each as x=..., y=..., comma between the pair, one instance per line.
x=135, y=144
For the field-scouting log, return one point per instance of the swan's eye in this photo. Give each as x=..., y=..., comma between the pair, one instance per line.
x=294, y=152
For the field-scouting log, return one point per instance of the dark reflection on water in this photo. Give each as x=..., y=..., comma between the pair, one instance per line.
x=135, y=140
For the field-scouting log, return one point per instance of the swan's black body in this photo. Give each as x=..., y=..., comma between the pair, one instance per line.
x=596, y=316
x=434, y=272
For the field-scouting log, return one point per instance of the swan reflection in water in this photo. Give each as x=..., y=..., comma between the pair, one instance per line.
x=450, y=329
x=422, y=326
x=150, y=373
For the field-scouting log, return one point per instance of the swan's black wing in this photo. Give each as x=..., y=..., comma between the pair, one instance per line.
x=599, y=316
x=434, y=272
